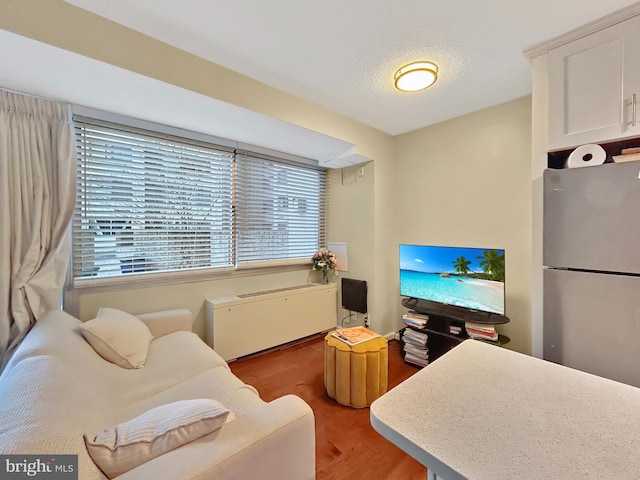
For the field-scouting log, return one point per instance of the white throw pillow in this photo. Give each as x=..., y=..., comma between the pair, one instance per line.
x=118, y=337
x=121, y=448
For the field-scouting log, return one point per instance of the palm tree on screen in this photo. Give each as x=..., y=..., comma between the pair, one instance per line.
x=461, y=265
x=492, y=263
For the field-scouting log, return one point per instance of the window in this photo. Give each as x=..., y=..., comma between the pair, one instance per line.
x=279, y=210
x=153, y=202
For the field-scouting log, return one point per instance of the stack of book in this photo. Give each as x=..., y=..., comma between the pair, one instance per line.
x=415, y=320
x=455, y=329
x=627, y=155
x=415, y=347
x=481, y=331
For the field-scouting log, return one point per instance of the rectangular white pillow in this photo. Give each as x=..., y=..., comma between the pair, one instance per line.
x=123, y=447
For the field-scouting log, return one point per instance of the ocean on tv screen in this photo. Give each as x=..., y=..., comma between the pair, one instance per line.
x=484, y=295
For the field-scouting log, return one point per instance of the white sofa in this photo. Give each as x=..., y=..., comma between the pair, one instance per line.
x=56, y=388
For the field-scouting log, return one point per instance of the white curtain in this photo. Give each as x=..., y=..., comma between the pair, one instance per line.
x=37, y=196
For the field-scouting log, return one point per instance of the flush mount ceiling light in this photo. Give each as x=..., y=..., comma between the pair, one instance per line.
x=416, y=76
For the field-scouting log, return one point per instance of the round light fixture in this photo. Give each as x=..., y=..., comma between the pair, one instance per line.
x=416, y=76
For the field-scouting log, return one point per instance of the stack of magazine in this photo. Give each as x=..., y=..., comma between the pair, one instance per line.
x=415, y=347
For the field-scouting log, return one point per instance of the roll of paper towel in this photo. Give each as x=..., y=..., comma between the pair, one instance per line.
x=587, y=156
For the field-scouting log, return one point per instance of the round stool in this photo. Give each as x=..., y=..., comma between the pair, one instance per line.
x=355, y=375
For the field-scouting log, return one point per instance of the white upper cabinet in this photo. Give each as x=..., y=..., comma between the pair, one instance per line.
x=593, y=82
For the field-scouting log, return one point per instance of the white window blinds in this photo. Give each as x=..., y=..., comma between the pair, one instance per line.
x=280, y=210
x=153, y=202
x=149, y=203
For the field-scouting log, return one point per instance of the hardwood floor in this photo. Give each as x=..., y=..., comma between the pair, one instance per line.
x=346, y=444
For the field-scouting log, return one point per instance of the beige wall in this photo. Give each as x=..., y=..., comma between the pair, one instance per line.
x=191, y=295
x=467, y=182
x=464, y=181
x=351, y=212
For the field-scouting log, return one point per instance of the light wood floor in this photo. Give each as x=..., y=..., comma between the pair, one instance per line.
x=347, y=447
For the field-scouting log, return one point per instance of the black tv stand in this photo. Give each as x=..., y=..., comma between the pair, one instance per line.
x=438, y=331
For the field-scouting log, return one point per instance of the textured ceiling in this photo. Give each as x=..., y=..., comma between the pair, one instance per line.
x=342, y=54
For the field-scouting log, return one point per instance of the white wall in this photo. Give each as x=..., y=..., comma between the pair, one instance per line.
x=467, y=182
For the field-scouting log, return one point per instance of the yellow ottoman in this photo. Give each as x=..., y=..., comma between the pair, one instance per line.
x=355, y=375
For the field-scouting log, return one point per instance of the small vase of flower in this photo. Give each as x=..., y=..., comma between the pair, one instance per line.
x=325, y=261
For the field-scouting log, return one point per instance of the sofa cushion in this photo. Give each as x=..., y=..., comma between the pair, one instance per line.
x=217, y=383
x=172, y=359
x=118, y=337
x=118, y=449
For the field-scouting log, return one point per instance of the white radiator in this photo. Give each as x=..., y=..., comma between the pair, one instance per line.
x=245, y=324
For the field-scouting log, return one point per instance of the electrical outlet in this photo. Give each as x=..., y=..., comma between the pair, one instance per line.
x=361, y=172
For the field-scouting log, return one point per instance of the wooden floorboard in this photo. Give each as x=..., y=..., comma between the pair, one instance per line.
x=346, y=444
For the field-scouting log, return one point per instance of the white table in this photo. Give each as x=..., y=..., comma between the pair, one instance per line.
x=481, y=412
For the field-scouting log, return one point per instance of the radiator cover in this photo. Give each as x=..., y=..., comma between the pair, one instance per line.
x=244, y=324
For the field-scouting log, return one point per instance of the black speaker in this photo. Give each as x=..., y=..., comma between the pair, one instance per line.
x=354, y=295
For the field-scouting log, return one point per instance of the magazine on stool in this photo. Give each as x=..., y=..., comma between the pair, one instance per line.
x=354, y=335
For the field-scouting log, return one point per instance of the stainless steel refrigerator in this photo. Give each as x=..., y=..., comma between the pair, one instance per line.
x=591, y=278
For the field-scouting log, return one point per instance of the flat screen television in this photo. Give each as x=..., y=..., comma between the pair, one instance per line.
x=465, y=279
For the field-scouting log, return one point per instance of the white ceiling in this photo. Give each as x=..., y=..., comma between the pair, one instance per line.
x=342, y=54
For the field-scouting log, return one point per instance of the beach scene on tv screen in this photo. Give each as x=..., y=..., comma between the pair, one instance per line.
x=466, y=277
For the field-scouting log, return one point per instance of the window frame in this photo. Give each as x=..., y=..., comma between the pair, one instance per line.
x=116, y=282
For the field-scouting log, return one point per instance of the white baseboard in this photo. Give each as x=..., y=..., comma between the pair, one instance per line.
x=392, y=336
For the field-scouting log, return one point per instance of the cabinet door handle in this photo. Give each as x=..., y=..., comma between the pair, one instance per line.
x=633, y=110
